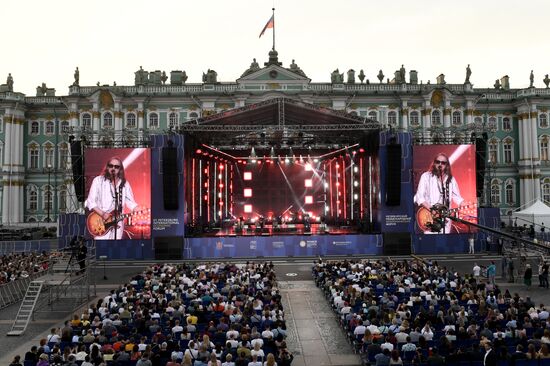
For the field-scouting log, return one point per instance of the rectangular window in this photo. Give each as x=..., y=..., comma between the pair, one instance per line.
x=63, y=156
x=507, y=153
x=34, y=159
x=48, y=158
x=493, y=153
x=544, y=150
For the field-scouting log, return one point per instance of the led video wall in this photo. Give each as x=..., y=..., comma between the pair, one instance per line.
x=444, y=182
x=118, y=193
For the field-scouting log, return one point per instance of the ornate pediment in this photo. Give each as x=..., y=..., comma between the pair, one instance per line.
x=273, y=74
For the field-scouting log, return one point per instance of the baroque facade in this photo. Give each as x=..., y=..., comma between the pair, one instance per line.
x=35, y=131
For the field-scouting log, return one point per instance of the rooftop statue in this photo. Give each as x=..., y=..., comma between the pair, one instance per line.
x=9, y=82
x=531, y=80
x=336, y=77
x=361, y=76
x=546, y=80
x=141, y=76
x=163, y=78
x=380, y=76
x=468, y=74
x=254, y=66
x=497, y=84
x=76, y=77
x=402, y=74
x=351, y=76
x=211, y=77
x=296, y=69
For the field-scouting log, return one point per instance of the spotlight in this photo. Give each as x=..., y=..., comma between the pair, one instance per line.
x=287, y=160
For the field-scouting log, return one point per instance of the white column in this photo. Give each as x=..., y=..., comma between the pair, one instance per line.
x=95, y=122
x=118, y=122
x=447, y=121
x=140, y=121
x=426, y=119
x=7, y=164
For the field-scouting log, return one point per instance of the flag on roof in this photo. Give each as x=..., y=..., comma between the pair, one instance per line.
x=270, y=24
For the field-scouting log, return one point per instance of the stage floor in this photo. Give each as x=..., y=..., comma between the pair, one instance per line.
x=284, y=229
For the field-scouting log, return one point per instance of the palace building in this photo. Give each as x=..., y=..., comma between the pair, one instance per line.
x=512, y=125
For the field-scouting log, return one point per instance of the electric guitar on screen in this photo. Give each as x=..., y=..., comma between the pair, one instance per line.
x=426, y=217
x=97, y=226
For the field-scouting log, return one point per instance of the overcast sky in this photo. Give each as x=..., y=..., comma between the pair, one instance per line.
x=43, y=41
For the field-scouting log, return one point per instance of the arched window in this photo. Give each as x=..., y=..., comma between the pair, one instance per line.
x=34, y=154
x=131, y=120
x=172, y=120
x=32, y=197
x=63, y=156
x=392, y=118
x=108, y=120
x=193, y=115
x=509, y=191
x=50, y=130
x=153, y=120
x=543, y=120
x=493, y=151
x=62, y=198
x=546, y=190
x=492, y=124
x=373, y=115
x=436, y=118
x=48, y=155
x=47, y=203
x=495, y=192
x=65, y=126
x=35, y=128
x=506, y=124
x=508, y=146
x=543, y=147
x=87, y=121
x=457, y=118
x=414, y=118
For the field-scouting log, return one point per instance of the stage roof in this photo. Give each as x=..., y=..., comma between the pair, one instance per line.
x=279, y=121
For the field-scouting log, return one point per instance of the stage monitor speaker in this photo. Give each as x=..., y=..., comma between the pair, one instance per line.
x=169, y=248
x=170, y=179
x=393, y=174
x=397, y=244
x=481, y=158
x=78, y=169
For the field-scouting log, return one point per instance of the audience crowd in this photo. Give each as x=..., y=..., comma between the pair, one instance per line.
x=177, y=315
x=415, y=312
x=22, y=265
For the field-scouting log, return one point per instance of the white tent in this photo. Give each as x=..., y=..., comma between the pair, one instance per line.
x=538, y=213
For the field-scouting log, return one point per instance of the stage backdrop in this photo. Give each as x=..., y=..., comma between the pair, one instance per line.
x=460, y=163
x=136, y=165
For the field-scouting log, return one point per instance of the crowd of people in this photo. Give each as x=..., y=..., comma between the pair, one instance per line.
x=177, y=315
x=22, y=265
x=416, y=312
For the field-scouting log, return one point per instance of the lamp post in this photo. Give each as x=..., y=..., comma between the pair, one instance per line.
x=49, y=194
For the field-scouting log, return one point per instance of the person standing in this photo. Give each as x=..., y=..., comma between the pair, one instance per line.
x=81, y=255
x=490, y=358
x=528, y=275
x=471, y=243
x=504, y=267
x=492, y=272
x=544, y=275
x=511, y=270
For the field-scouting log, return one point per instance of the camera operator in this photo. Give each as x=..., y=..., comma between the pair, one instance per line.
x=82, y=253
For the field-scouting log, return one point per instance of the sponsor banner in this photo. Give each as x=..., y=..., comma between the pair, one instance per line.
x=283, y=246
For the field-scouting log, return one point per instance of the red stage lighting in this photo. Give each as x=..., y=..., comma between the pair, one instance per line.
x=309, y=199
x=308, y=183
x=221, y=166
x=361, y=150
x=247, y=176
x=247, y=192
x=248, y=208
x=199, y=151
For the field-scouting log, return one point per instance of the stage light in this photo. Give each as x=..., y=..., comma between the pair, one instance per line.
x=356, y=196
x=219, y=176
x=205, y=170
x=199, y=151
x=247, y=176
x=258, y=162
x=326, y=185
x=337, y=165
x=205, y=184
x=355, y=169
x=219, y=195
x=221, y=166
x=309, y=199
x=308, y=167
x=337, y=183
x=308, y=183
x=315, y=160
x=287, y=160
x=247, y=192
x=221, y=185
x=361, y=150
x=206, y=197
x=326, y=209
x=356, y=184
x=253, y=161
x=248, y=208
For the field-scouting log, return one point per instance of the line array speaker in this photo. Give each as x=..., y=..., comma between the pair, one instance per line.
x=78, y=169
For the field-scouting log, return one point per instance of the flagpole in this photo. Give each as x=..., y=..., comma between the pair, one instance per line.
x=273, y=28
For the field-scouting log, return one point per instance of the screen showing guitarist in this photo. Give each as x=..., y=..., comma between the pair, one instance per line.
x=109, y=194
x=437, y=190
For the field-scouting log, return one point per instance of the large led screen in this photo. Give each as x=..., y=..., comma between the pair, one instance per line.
x=118, y=193
x=444, y=185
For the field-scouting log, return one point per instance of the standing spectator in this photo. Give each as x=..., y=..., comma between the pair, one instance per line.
x=476, y=271
x=490, y=358
x=527, y=276
x=504, y=267
x=511, y=270
x=16, y=361
x=492, y=272
x=544, y=275
x=43, y=360
x=471, y=244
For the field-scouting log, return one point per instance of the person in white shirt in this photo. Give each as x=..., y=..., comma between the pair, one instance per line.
x=477, y=271
x=437, y=186
x=387, y=345
x=110, y=193
x=471, y=243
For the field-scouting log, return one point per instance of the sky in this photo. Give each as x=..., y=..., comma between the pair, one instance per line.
x=44, y=41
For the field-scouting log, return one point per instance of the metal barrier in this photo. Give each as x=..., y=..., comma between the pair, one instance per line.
x=24, y=246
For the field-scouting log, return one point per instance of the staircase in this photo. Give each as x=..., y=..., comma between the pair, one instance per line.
x=27, y=307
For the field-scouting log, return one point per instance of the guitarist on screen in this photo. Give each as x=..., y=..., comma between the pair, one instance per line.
x=438, y=189
x=109, y=194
